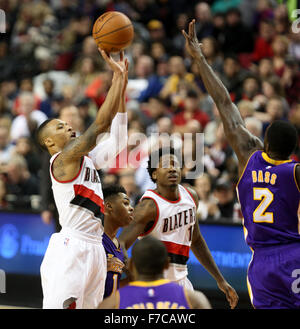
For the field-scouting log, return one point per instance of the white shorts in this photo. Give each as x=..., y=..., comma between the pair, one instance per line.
x=73, y=270
x=178, y=273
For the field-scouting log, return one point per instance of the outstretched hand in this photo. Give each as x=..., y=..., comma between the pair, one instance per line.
x=118, y=67
x=230, y=293
x=191, y=41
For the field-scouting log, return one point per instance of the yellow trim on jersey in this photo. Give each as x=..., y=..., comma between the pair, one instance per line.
x=242, y=174
x=272, y=161
x=248, y=282
x=295, y=176
x=149, y=283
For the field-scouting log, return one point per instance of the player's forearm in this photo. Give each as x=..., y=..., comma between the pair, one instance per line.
x=229, y=114
x=111, y=104
x=203, y=254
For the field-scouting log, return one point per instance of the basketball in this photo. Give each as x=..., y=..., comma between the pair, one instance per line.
x=113, y=31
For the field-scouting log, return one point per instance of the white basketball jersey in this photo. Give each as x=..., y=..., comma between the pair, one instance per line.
x=174, y=226
x=80, y=201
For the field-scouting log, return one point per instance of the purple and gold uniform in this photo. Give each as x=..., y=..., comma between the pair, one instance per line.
x=112, y=282
x=159, y=294
x=269, y=198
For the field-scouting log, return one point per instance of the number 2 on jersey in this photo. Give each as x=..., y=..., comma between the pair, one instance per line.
x=260, y=215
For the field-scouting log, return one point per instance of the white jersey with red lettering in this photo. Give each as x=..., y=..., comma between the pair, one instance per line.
x=174, y=225
x=74, y=268
x=80, y=201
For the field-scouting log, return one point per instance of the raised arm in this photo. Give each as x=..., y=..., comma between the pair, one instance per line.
x=240, y=139
x=67, y=164
x=107, y=149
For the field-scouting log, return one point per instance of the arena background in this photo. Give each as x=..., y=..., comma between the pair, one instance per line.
x=50, y=67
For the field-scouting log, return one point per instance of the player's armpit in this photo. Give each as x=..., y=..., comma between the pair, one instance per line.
x=144, y=213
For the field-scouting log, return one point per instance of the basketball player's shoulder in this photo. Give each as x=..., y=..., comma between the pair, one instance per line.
x=192, y=193
x=146, y=209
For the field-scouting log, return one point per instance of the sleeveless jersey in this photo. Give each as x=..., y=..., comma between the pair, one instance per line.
x=113, y=278
x=174, y=226
x=80, y=201
x=159, y=294
x=269, y=199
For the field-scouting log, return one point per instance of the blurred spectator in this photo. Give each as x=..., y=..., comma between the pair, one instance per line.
x=265, y=68
x=189, y=110
x=127, y=180
x=238, y=38
x=203, y=16
x=158, y=34
x=46, y=104
x=280, y=46
x=6, y=147
x=263, y=42
x=84, y=108
x=28, y=119
x=181, y=24
x=211, y=52
x=233, y=76
x=207, y=208
x=143, y=70
x=156, y=81
x=251, y=88
x=224, y=194
x=20, y=183
x=25, y=147
x=3, y=193
x=246, y=108
x=178, y=73
x=255, y=126
x=290, y=81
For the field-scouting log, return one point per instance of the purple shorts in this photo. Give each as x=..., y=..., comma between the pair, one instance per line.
x=274, y=277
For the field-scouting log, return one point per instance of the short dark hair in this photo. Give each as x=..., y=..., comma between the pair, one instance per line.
x=39, y=132
x=149, y=256
x=112, y=190
x=282, y=138
x=155, y=156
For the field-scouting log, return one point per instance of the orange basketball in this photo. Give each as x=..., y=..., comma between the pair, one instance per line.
x=113, y=31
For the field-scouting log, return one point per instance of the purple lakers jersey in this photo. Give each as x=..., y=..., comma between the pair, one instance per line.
x=113, y=278
x=269, y=198
x=159, y=294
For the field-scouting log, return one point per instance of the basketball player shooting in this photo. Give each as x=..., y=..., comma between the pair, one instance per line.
x=169, y=214
x=73, y=270
x=268, y=191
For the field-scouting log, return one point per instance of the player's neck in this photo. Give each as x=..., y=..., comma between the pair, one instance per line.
x=148, y=278
x=275, y=156
x=109, y=229
x=169, y=193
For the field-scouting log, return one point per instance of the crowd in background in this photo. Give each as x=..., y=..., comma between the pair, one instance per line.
x=50, y=67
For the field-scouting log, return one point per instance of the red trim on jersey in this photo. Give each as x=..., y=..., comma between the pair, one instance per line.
x=70, y=180
x=176, y=201
x=191, y=196
x=156, y=219
x=89, y=194
x=178, y=249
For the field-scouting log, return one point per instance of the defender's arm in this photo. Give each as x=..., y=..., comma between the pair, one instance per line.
x=240, y=139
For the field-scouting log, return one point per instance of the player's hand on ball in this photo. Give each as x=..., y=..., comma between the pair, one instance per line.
x=230, y=293
x=119, y=67
x=191, y=41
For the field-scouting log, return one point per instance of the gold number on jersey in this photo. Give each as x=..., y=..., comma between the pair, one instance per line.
x=260, y=215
